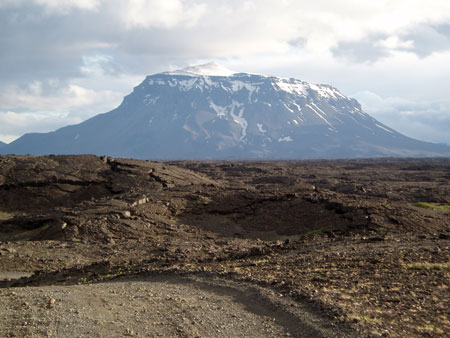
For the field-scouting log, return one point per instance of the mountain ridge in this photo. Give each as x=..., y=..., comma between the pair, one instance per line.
x=188, y=114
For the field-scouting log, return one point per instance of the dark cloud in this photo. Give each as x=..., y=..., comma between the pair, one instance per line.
x=41, y=46
x=298, y=42
x=37, y=45
x=366, y=50
x=422, y=40
x=66, y=56
x=428, y=39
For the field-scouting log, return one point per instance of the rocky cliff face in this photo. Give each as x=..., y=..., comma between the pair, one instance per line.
x=189, y=114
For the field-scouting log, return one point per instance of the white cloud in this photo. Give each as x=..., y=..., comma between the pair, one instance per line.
x=43, y=107
x=395, y=42
x=325, y=23
x=11, y=3
x=163, y=14
x=39, y=96
x=55, y=6
x=16, y=124
x=64, y=6
x=97, y=50
x=98, y=65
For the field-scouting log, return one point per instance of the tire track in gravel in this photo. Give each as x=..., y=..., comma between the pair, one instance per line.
x=163, y=306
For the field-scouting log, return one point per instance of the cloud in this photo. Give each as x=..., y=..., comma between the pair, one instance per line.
x=54, y=6
x=48, y=38
x=370, y=49
x=43, y=107
x=164, y=14
x=99, y=64
x=421, y=40
x=65, y=6
x=40, y=96
x=423, y=120
x=75, y=51
x=16, y=124
x=427, y=39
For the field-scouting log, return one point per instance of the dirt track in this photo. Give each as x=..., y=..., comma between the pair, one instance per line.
x=169, y=306
x=347, y=241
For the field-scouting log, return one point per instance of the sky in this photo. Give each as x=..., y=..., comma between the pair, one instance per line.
x=64, y=61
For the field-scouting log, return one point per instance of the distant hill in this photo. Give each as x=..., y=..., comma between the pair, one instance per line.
x=208, y=112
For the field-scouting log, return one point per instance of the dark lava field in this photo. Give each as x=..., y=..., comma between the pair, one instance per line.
x=363, y=244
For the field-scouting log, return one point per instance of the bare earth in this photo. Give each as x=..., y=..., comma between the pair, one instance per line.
x=111, y=247
x=168, y=306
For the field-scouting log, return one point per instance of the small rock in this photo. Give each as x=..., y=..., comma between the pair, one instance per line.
x=51, y=303
x=126, y=214
x=444, y=236
x=346, y=188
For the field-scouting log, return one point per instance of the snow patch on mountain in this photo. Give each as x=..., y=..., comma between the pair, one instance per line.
x=208, y=112
x=220, y=111
x=296, y=106
x=318, y=113
x=186, y=85
x=210, y=69
x=381, y=127
x=286, y=106
x=260, y=128
x=150, y=100
x=291, y=86
x=209, y=82
x=239, y=118
x=326, y=92
x=237, y=85
x=285, y=139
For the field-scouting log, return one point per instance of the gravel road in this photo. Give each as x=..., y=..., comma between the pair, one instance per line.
x=163, y=306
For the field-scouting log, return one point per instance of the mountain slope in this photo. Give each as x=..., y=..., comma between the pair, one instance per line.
x=190, y=114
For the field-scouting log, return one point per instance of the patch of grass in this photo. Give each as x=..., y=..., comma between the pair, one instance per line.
x=371, y=319
x=366, y=319
x=427, y=205
x=4, y=216
x=428, y=266
x=131, y=175
x=202, y=202
x=112, y=274
x=319, y=232
x=26, y=235
x=428, y=328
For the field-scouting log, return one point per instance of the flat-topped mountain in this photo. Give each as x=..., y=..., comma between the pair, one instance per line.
x=209, y=112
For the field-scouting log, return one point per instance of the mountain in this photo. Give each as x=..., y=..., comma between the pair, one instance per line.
x=2, y=144
x=208, y=112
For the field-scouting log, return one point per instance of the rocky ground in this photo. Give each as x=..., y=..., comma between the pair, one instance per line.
x=314, y=248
